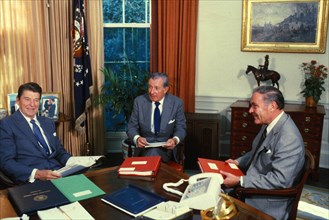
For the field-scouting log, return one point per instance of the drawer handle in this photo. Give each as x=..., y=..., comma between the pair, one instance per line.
x=243, y=153
x=245, y=114
x=244, y=125
x=307, y=119
x=244, y=137
x=306, y=130
x=305, y=144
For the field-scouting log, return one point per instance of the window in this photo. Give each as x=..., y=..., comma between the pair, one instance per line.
x=126, y=39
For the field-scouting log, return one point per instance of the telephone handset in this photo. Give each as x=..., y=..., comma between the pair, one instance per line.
x=202, y=192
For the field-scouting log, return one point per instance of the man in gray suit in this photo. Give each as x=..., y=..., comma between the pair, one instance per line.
x=275, y=162
x=142, y=128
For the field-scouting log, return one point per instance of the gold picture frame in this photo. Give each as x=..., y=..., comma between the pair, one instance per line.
x=280, y=26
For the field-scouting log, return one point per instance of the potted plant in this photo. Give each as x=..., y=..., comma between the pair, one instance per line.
x=120, y=89
x=314, y=76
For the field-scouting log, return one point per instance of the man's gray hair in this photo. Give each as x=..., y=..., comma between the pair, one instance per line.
x=164, y=76
x=271, y=94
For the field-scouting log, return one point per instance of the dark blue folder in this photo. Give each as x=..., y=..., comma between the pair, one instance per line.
x=31, y=197
x=133, y=200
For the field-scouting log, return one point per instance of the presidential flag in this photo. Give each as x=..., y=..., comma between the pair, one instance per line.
x=82, y=69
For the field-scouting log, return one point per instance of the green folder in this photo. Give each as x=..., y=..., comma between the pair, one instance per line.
x=77, y=187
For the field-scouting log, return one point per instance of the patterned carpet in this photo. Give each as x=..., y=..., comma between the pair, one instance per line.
x=313, y=204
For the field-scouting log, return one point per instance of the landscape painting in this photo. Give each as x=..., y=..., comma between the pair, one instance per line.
x=285, y=26
x=284, y=22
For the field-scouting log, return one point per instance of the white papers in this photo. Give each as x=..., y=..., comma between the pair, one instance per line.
x=66, y=212
x=75, y=164
x=83, y=160
x=157, y=144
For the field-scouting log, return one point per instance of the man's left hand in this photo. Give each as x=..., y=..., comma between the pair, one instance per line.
x=170, y=144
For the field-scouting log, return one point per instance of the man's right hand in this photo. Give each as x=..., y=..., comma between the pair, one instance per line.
x=141, y=142
x=46, y=175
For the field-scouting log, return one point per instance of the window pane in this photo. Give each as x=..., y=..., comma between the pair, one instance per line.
x=137, y=43
x=122, y=44
x=113, y=44
x=112, y=11
x=113, y=120
x=135, y=11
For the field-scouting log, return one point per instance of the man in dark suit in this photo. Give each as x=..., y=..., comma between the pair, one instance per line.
x=24, y=157
x=142, y=128
x=277, y=155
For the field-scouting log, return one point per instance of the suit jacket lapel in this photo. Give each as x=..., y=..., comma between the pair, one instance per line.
x=273, y=133
x=148, y=111
x=166, y=111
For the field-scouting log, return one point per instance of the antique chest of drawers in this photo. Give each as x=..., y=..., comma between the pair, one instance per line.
x=308, y=120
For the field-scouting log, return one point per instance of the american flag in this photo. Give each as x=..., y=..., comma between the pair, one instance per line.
x=82, y=69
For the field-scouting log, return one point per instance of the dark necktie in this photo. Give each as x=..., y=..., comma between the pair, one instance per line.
x=261, y=140
x=38, y=135
x=157, y=118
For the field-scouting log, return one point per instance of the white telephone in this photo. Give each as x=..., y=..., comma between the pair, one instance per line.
x=202, y=192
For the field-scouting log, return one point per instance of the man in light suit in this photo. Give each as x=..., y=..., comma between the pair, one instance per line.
x=22, y=157
x=141, y=127
x=279, y=159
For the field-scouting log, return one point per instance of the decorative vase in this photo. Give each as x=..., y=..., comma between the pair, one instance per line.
x=310, y=102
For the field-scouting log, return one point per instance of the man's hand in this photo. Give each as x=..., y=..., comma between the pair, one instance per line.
x=141, y=142
x=46, y=175
x=170, y=144
x=232, y=161
x=230, y=180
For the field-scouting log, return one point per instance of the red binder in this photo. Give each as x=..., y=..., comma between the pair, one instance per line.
x=140, y=166
x=214, y=166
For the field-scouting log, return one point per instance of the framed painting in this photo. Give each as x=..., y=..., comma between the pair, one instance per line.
x=49, y=105
x=286, y=26
x=11, y=103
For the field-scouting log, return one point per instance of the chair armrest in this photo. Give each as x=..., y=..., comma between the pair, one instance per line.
x=245, y=192
x=5, y=181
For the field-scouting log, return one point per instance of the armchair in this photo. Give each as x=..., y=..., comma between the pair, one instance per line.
x=179, y=166
x=294, y=192
x=5, y=181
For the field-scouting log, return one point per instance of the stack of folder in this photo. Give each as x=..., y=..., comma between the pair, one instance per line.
x=40, y=195
x=140, y=166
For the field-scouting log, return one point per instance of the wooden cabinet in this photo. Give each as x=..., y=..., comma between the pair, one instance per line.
x=308, y=120
x=202, y=139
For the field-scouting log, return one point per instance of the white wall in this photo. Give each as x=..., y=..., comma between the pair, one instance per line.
x=220, y=72
x=221, y=65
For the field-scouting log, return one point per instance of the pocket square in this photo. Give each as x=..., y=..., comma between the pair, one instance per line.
x=171, y=121
x=267, y=150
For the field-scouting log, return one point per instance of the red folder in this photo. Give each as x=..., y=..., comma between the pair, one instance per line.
x=140, y=166
x=214, y=166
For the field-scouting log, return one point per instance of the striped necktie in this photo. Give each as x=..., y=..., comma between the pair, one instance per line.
x=261, y=140
x=157, y=118
x=38, y=135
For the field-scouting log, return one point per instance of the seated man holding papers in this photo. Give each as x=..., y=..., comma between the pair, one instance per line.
x=29, y=147
x=277, y=155
x=157, y=123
